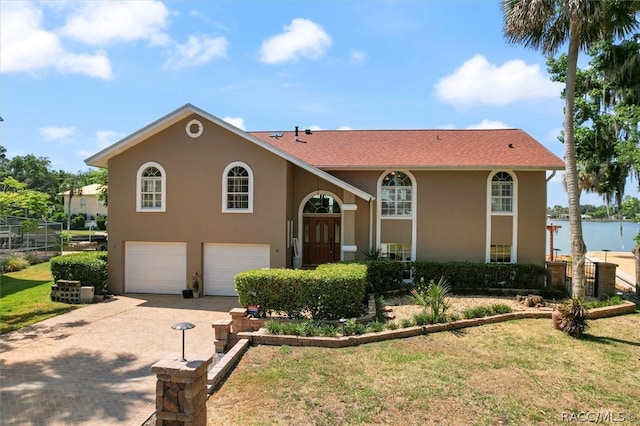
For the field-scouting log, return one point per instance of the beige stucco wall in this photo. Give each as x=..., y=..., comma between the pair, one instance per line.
x=532, y=217
x=91, y=207
x=193, y=214
x=451, y=213
x=451, y=206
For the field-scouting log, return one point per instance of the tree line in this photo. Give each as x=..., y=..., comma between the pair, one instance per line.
x=629, y=210
x=30, y=188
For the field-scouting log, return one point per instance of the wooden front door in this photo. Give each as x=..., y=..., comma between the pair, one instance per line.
x=321, y=243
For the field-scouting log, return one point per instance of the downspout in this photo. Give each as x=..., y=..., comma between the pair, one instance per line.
x=553, y=173
x=370, y=225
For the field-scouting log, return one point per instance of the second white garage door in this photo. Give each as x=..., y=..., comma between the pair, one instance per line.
x=223, y=261
x=153, y=267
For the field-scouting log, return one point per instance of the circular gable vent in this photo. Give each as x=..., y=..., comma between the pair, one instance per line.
x=194, y=128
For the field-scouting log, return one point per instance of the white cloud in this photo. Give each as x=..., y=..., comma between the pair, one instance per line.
x=301, y=39
x=62, y=135
x=478, y=82
x=489, y=124
x=101, y=139
x=100, y=23
x=196, y=51
x=345, y=128
x=26, y=47
x=357, y=57
x=104, y=138
x=235, y=121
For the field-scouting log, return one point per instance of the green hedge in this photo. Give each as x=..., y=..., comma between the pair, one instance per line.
x=332, y=291
x=384, y=276
x=89, y=268
x=482, y=278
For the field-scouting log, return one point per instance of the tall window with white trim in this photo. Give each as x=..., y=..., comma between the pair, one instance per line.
x=502, y=193
x=238, y=188
x=151, y=188
x=396, y=195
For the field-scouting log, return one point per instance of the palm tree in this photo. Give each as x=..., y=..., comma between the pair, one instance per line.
x=547, y=26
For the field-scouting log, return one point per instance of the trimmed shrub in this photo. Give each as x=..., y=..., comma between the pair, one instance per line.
x=89, y=268
x=482, y=278
x=273, y=291
x=335, y=291
x=330, y=292
x=384, y=276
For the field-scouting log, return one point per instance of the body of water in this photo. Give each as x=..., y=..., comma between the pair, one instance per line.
x=597, y=236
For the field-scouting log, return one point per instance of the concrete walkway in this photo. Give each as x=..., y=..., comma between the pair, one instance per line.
x=92, y=366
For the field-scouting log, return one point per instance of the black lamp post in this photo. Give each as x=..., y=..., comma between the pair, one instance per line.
x=183, y=326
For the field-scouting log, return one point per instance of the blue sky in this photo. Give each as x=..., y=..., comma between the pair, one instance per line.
x=77, y=76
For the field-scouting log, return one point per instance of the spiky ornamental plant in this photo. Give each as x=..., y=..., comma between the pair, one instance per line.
x=574, y=317
x=436, y=297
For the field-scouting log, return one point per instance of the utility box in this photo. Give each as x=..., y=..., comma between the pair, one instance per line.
x=86, y=294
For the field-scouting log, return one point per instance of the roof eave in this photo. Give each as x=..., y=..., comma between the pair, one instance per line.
x=101, y=159
x=441, y=168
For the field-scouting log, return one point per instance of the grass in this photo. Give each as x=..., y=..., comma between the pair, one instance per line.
x=518, y=372
x=24, y=298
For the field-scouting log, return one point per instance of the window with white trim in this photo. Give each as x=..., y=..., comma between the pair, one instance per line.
x=396, y=199
x=237, y=188
x=400, y=252
x=151, y=188
x=502, y=193
x=500, y=253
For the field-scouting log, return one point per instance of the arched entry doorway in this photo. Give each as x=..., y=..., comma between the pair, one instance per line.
x=321, y=229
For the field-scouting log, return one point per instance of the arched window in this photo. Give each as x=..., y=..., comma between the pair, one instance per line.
x=321, y=203
x=396, y=198
x=151, y=188
x=237, y=191
x=502, y=193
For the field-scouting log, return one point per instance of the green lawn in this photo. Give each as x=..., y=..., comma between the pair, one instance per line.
x=24, y=298
x=513, y=373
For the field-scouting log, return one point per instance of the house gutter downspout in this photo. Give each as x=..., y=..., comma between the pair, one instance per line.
x=370, y=224
x=553, y=173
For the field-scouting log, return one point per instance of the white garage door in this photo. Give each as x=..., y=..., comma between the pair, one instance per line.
x=223, y=261
x=152, y=267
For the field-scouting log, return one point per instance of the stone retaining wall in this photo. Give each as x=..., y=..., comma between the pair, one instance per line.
x=261, y=338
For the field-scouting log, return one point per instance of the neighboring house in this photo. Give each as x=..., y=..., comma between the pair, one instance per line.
x=192, y=193
x=86, y=202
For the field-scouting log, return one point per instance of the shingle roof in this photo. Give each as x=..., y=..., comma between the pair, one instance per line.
x=416, y=149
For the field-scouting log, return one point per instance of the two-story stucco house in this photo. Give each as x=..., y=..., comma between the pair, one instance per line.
x=191, y=193
x=86, y=201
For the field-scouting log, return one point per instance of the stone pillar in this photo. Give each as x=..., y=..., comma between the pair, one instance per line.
x=606, y=278
x=221, y=331
x=181, y=391
x=558, y=273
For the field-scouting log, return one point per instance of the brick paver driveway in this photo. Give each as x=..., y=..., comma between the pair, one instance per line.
x=92, y=366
